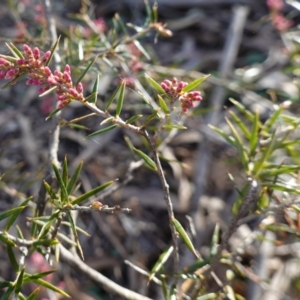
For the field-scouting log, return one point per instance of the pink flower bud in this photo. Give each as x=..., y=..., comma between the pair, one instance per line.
x=174, y=80
x=68, y=69
x=21, y=61
x=47, y=71
x=165, y=87
x=27, y=50
x=4, y=62
x=2, y=74
x=79, y=87
x=46, y=56
x=51, y=80
x=73, y=92
x=67, y=77
x=180, y=86
x=10, y=74
x=36, y=53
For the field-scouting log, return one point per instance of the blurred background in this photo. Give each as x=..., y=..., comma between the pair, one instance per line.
x=250, y=48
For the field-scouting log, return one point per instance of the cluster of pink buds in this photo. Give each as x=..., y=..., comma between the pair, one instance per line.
x=175, y=90
x=34, y=65
x=278, y=19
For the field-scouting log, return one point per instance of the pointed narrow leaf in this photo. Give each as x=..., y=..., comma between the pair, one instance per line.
x=49, y=286
x=154, y=115
x=240, y=124
x=12, y=82
x=271, y=120
x=214, y=242
x=110, y=101
x=106, y=129
x=8, y=292
x=65, y=171
x=144, y=98
x=142, y=49
x=133, y=118
x=33, y=295
x=160, y=262
x=53, y=113
x=239, y=144
x=14, y=51
x=254, y=139
x=12, y=258
x=164, y=287
x=50, y=190
x=146, y=159
x=73, y=227
x=13, y=218
x=12, y=47
x=163, y=104
x=50, y=90
x=120, y=98
x=19, y=282
x=194, y=84
x=91, y=98
x=39, y=275
x=86, y=70
x=225, y=136
x=184, y=236
x=74, y=178
x=92, y=192
x=11, y=212
x=195, y=266
x=53, y=49
x=174, y=127
x=95, y=90
x=62, y=186
x=265, y=155
x=45, y=242
x=20, y=234
x=48, y=224
x=242, y=109
x=156, y=85
x=121, y=24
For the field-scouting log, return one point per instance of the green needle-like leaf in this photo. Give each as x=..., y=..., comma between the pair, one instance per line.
x=154, y=84
x=8, y=292
x=254, y=139
x=133, y=118
x=110, y=101
x=160, y=262
x=14, y=50
x=163, y=104
x=13, y=218
x=73, y=227
x=74, y=178
x=120, y=99
x=86, y=70
x=19, y=282
x=62, y=186
x=65, y=171
x=184, y=236
x=53, y=49
x=174, y=127
x=91, y=193
x=11, y=212
x=95, y=90
x=12, y=258
x=103, y=130
x=33, y=295
x=215, y=241
x=50, y=286
x=52, y=113
x=194, y=84
x=50, y=190
x=146, y=159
